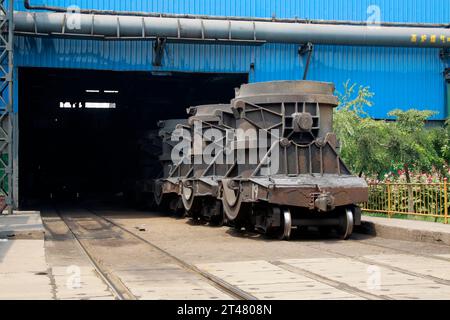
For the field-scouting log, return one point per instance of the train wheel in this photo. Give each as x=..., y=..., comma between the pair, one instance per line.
x=187, y=196
x=162, y=201
x=158, y=193
x=232, y=203
x=346, y=222
x=283, y=232
x=286, y=224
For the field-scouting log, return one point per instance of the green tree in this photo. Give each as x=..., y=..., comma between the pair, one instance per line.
x=410, y=144
x=374, y=147
x=441, y=139
x=361, y=137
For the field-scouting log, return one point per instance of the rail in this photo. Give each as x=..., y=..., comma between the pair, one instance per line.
x=413, y=199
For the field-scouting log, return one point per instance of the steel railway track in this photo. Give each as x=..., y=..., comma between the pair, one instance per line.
x=119, y=289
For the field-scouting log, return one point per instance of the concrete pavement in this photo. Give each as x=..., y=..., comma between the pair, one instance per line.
x=30, y=270
x=308, y=267
x=24, y=273
x=21, y=225
x=402, y=229
x=406, y=260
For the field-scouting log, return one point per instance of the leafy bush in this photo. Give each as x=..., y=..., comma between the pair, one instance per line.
x=379, y=149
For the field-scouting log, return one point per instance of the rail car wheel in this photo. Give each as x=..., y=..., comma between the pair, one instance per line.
x=232, y=203
x=346, y=222
x=158, y=193
x=236, y=212
x=286, y=224
x=187, y=196
x=161, y=199
x=282, y=232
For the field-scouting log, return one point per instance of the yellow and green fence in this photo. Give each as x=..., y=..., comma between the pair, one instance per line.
x=409, y=199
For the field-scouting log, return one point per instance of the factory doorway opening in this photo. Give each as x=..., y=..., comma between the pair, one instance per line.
x=87, y=134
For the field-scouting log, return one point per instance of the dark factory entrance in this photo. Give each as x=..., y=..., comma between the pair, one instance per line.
x=81, y=131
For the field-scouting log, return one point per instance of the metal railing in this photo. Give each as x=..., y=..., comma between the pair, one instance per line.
x=415, y=199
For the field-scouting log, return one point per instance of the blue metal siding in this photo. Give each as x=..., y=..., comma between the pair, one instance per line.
x=400, y=77
x=436, y=11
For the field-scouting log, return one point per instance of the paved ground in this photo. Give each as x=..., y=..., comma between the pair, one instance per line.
x=21, y=225
x=411, y=230
x=23, y=270
x=308, y=267
x=71, y=272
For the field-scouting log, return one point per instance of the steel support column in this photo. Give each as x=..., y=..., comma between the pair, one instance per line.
x=6, y=106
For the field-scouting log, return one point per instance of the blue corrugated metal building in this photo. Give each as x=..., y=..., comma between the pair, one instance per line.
x=400, y=77
x=63, y=147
